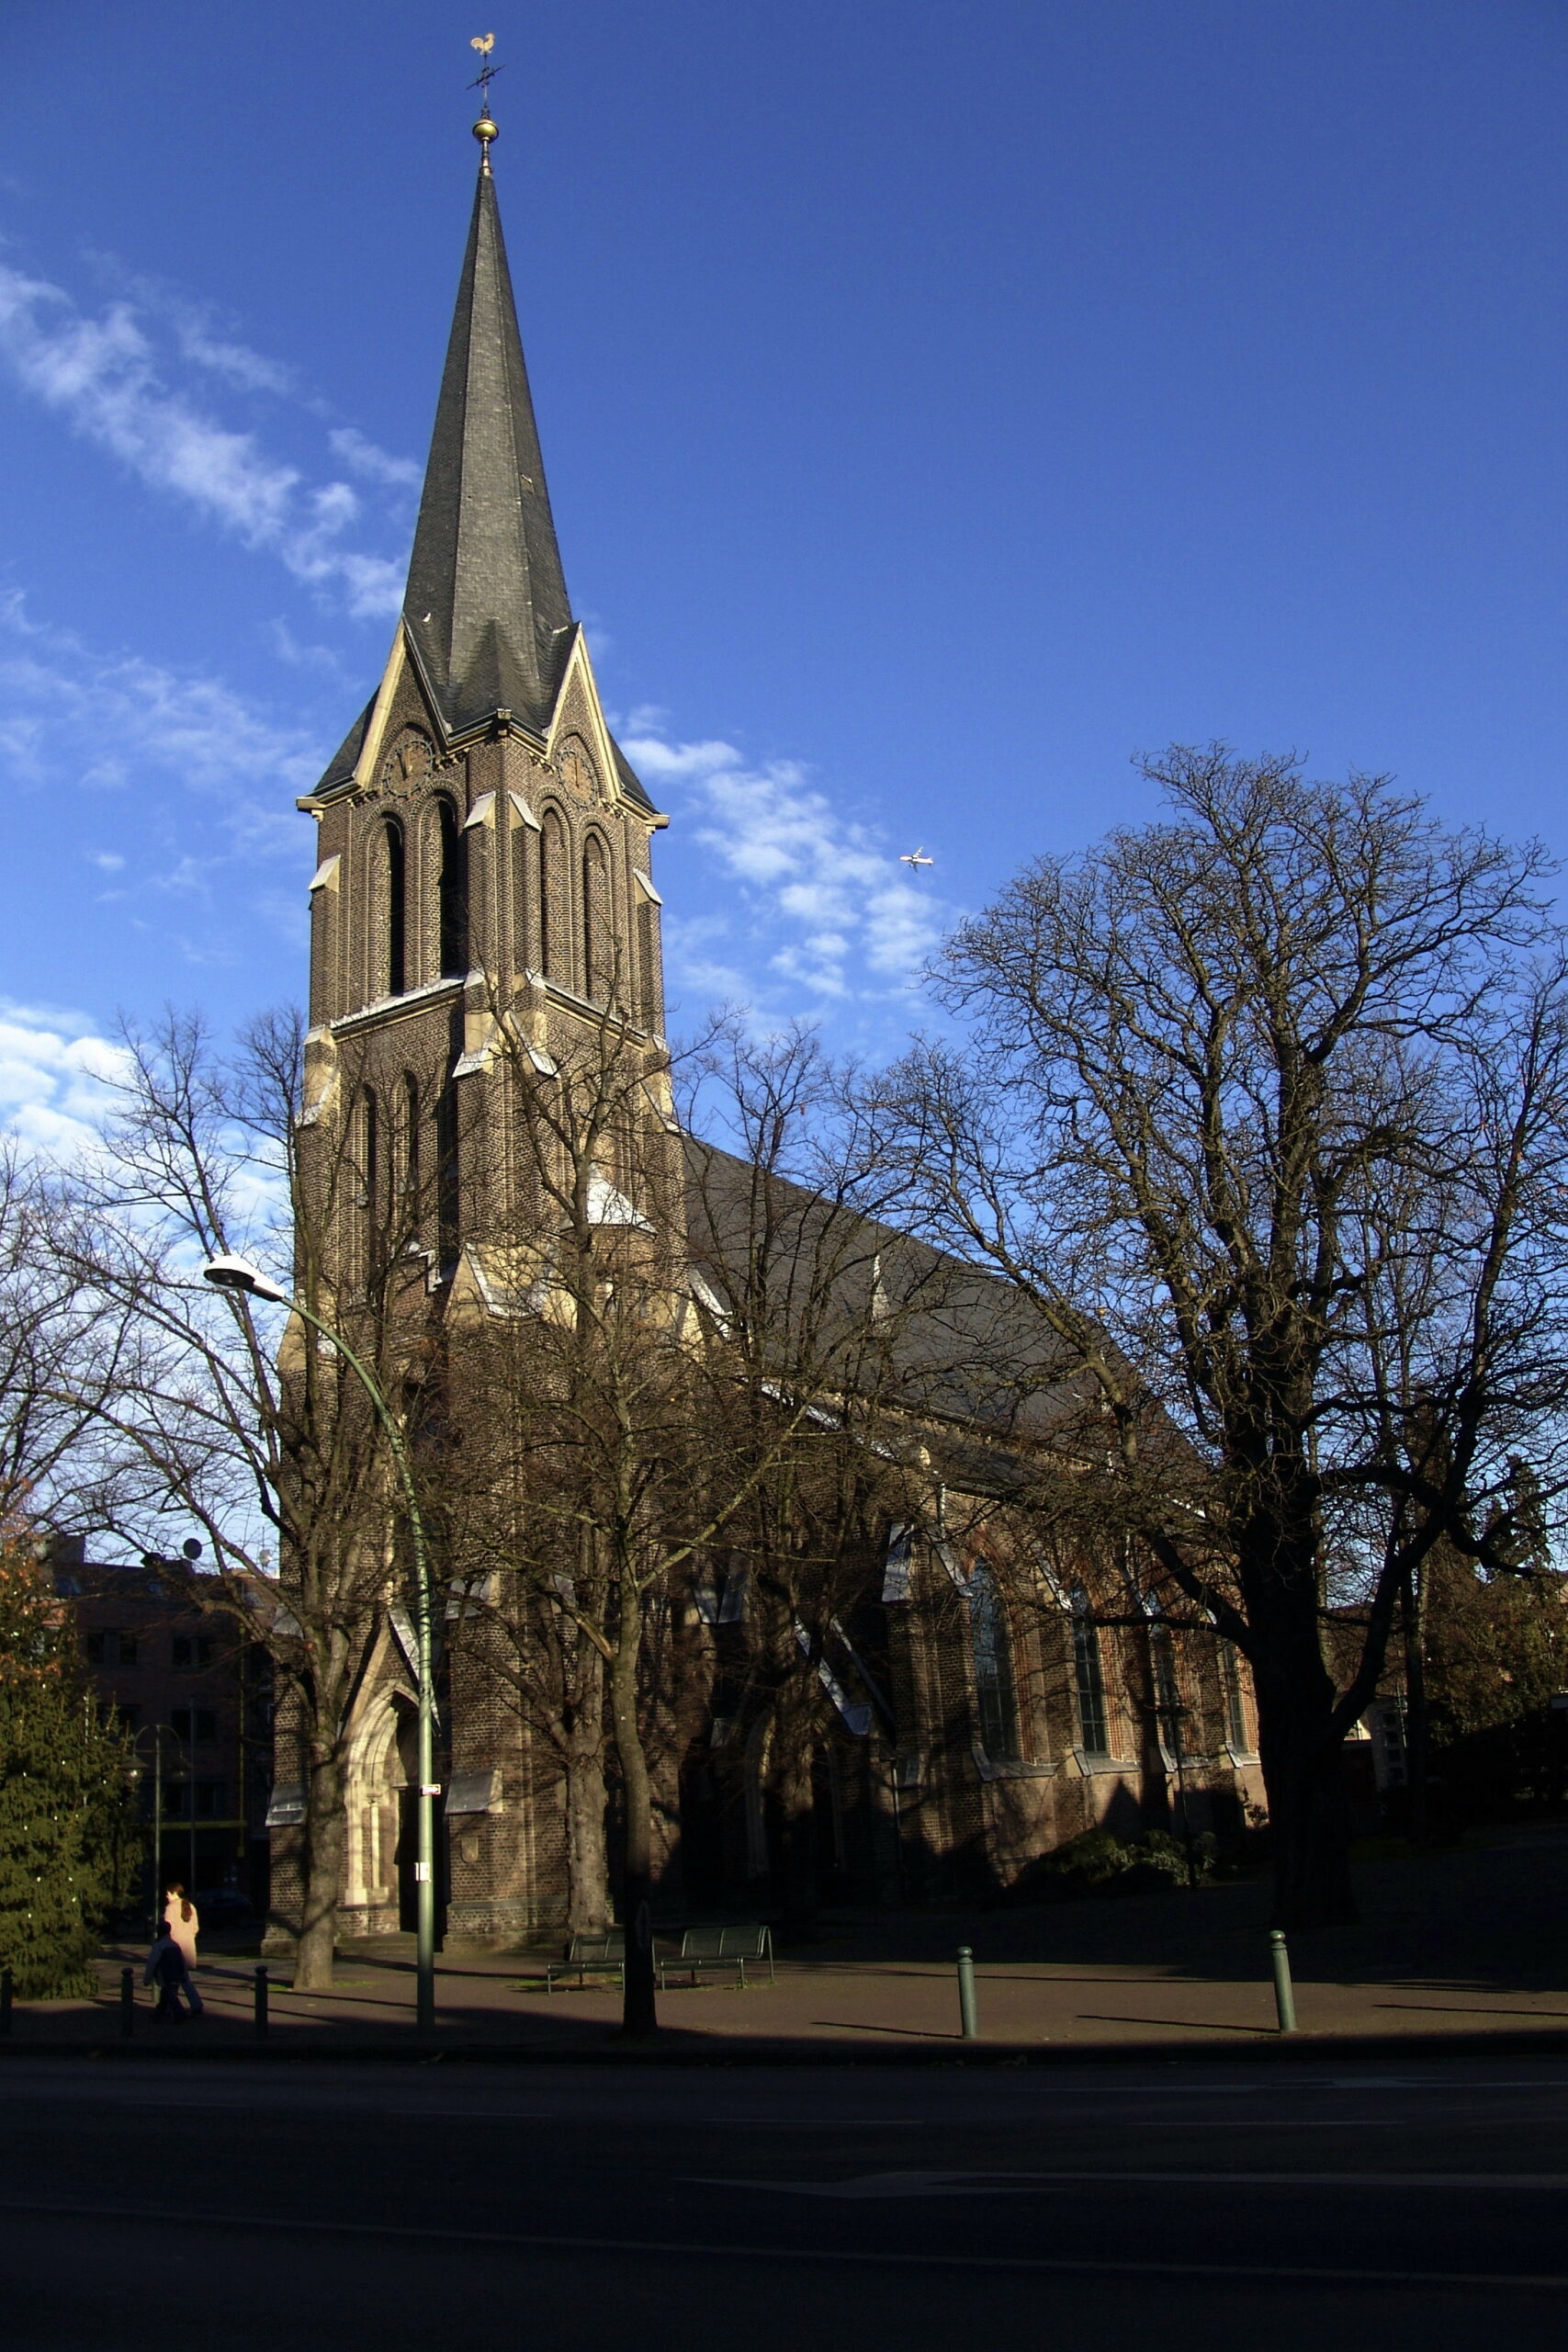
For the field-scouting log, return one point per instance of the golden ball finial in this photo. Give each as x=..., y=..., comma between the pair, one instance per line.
x=485, y=131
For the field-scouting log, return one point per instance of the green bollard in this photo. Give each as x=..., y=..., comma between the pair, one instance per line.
x=127, y=2003
x=4, y=2001
x=968, y=2021
x=1284, y=1991
x=261, y=2003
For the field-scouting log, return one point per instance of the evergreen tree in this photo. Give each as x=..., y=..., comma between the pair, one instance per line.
x=67, y=1848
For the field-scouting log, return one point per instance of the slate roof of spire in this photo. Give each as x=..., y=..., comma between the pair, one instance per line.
x=486, y=603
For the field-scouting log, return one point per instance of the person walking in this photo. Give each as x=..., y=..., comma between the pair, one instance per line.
x=166, y=1969
x=181, y=1920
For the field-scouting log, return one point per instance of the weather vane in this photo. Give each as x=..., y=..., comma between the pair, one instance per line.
x=484, y=129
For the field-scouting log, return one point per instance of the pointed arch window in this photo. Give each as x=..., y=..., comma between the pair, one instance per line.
x=555, y=922
x=408, y=1143
x=996, y=1688
x=1089, y=1679
x=1169, y=1708
x=451, y=893
x=368, y=1198
x=448, y=1179
x=1235, y=1702
x=598, y=949
x=387, y=975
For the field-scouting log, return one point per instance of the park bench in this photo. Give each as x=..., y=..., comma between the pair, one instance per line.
x=586, y=1956
x=705, y=1950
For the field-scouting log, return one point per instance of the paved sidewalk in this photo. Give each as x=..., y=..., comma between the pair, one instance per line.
x=1473, y=1941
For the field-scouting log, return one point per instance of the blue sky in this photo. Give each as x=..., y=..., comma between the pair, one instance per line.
x=941, y=403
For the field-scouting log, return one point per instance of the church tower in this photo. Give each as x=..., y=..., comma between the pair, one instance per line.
x=483, y=920
x=483, y=871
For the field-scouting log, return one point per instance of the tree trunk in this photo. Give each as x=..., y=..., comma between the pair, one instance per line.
x=797, y=1798
x=1418, y=1741
x=587, y=1862
x=639, y=2019
x=325, y=1844
x=1309, y=1816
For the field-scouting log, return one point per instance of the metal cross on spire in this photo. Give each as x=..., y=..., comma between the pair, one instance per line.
x=484, y=129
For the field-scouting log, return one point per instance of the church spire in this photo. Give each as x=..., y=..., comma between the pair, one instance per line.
x=487, y=605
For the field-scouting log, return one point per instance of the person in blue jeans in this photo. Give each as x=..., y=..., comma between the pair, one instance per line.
x=166, y=1969
x=180, y=1919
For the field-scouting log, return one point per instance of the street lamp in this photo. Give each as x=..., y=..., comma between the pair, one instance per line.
x=156, y=1732
x=239, y=1274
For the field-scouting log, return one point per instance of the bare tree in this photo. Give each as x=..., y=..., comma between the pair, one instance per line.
x=676, y=1340
x=227, y=1415
x=64, y=1348
x=1262, y=1111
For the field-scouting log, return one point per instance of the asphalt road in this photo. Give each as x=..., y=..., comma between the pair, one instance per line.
x=303, y=2206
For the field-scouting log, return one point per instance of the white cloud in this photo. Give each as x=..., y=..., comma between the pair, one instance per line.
x=58, y=694
x=235, y=770
x=52, y=1072
x=363, y=456
x=108, y=377
x=821, y=897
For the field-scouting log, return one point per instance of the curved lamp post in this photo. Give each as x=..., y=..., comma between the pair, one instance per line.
x=161, y=1780
x=239, y=1274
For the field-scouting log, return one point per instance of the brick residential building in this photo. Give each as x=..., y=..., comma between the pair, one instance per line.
x=191, y=1689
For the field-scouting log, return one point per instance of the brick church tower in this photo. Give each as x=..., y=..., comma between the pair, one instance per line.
x=483, y=840
x=482, y=894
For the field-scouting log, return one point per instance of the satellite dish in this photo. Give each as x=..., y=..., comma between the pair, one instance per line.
x=191, y=1547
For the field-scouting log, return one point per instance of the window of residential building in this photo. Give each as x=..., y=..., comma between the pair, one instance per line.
x=194, y=1722
x=211, y=1800
x=1089, y=1680
x=190, y=1650
x=111, y=1648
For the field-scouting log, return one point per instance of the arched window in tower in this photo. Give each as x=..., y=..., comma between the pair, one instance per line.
x=387, y=976
x=397, y=977
x=1089, y=1679
x=409, y=1207
x=598, y=925
x=996, y=1691
x=555, y=914
x=368, y=1189
x=448, y=1180
x=451, y=893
